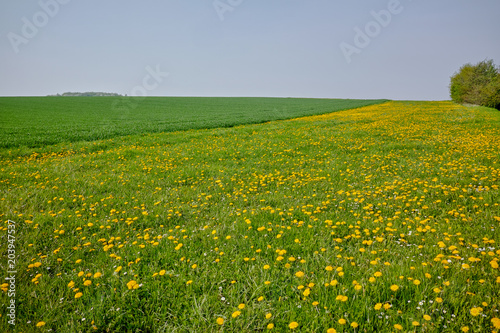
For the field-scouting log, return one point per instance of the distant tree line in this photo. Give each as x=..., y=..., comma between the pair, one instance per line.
x=87, y=94
x=477, y=84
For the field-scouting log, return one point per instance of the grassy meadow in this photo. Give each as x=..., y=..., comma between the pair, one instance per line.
x=384, y=218
x=40, y=121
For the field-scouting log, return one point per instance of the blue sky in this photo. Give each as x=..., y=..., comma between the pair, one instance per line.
x=285, y=48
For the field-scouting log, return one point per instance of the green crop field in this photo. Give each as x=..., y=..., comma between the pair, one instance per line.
x=384, y=218
x=41, y=121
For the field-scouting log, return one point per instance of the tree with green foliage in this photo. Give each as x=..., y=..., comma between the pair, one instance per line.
x=477, y=84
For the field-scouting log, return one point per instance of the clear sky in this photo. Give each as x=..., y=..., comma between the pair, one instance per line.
x=285, y=48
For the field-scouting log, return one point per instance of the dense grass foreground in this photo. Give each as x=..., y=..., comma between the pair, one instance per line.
x=379, y=219
x=41, y=121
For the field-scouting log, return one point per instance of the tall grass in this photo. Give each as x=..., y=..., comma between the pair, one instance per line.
x=378, y=219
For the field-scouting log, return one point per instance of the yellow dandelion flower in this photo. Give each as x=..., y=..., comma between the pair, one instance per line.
x=131, y=284
x=40, y=324
x=398, y=327
x=331, y=330
x=162, y=272
x=476, y=311
x=427, y=317
x=97, y=275
x=78, y=295
x=87, y=283
x=270, y=326
x=299, y=274
x=241, y=306
x=220, y=321
x=236, y=314
x=293, y=325
x=496, y=322
x=394, y=287
x=268, y=315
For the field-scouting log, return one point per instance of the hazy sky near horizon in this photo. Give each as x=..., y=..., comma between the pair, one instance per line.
x=283, y=48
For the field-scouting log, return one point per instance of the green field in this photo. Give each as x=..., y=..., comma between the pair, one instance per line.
x=41, y=121
x=384, y=218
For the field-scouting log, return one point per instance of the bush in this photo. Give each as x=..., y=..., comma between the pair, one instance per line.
x=477, y=84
